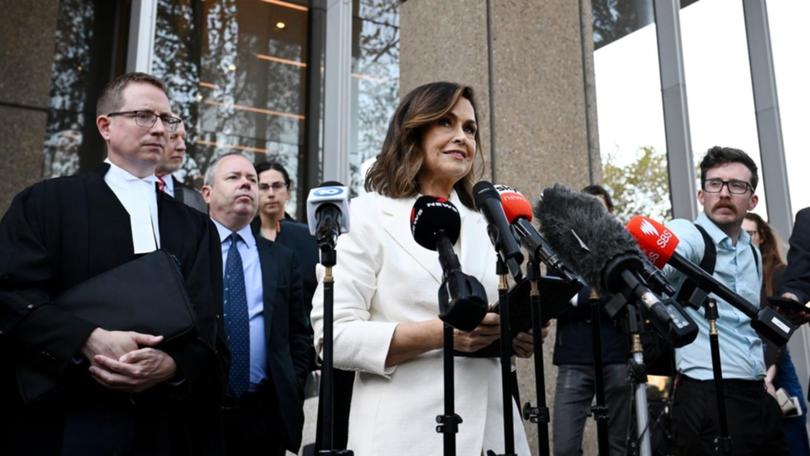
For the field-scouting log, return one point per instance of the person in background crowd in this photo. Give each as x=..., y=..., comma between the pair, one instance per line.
x=269, y=338
x=170, y=161
x=573, y=355
x=795, y=283
x=386, y=326
x=274, y=224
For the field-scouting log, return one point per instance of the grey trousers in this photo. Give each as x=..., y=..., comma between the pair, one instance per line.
x=576, y=391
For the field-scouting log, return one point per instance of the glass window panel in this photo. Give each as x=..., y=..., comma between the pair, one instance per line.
x=630, y=116
x=375, y=81
x=89, y=46
x=792, y=68
x=239, y=78
x=718, y=81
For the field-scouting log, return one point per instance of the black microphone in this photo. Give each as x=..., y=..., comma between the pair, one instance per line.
x=488, y=202
x=435, y=225
x=328, y=212
x=596, y=245
x=659, y=244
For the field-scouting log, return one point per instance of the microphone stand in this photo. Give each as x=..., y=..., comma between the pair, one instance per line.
x=722, y=443
x=637, y=372
x=328, y=260
x=506, y=364
x=448, y=423
x=539, y=414
x=599, y=410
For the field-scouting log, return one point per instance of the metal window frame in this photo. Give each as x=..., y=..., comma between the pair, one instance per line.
x=769, y=126
x=142, y=21
x=337, y=114
x=676, y=111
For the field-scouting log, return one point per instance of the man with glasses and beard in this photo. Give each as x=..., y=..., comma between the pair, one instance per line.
x=728, y=180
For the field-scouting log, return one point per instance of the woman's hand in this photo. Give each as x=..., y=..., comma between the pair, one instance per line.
x=484, y=334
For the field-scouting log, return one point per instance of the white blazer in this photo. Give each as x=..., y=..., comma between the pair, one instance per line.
x=384, y=277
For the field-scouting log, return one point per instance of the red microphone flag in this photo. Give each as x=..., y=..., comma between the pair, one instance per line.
x=653, y=238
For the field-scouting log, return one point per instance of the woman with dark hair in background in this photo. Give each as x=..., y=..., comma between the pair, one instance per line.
x=781, y=373
x=386, y=326
x=274, y=224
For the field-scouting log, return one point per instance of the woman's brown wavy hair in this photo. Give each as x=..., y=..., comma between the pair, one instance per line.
x=771, y=256
x=395, y=172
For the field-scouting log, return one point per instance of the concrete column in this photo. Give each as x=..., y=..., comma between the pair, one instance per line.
x=26, y=45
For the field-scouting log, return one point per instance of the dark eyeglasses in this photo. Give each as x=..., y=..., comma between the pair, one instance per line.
x=736, y=187
x=147, y=119
x=276, y=186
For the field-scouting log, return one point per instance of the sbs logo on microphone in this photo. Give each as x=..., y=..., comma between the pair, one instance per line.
x=663, y=239
x=648, y=228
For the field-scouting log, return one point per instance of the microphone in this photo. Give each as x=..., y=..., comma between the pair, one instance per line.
x=659, y=244
x=435, y=225
x=596, y=245
x=518, y=211
x=328, y=212
x=488, y=202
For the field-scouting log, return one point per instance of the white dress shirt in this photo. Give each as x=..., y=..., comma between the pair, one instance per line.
x=139, y=198
x=168, y=184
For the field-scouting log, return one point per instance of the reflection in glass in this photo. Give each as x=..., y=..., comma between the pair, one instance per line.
x=629, y=111
x=69, y=86
x=375, y=81
x=718, y=81
x=613, y=19
x=238, y=78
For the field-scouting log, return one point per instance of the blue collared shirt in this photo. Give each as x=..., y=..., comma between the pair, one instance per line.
x=736, y=267
x=253, y=288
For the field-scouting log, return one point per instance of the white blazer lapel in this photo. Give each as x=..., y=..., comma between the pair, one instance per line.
x=475, y=248
x=396, y=221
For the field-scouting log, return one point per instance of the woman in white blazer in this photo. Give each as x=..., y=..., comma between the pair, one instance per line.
x=386, y=285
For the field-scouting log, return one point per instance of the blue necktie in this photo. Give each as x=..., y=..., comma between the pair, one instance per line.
x=237, y=326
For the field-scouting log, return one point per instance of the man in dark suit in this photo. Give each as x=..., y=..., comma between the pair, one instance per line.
x=795, y=282
x=170, y=161
x=269, y=336
x=121, y=392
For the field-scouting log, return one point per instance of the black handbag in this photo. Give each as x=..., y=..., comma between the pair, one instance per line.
x=147, y=295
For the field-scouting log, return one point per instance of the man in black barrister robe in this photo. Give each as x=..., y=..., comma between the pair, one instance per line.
x=120, y=392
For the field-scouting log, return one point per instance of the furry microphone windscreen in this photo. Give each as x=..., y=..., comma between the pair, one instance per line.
x=584, y=234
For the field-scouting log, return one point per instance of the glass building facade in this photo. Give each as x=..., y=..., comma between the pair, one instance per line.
x=246, y=76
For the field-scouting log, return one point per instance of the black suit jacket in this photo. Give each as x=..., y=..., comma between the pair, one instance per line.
x=188, y=196
x=796, y=278
x=60, y=232
x=287, y=333
x=574, y=340
x=296, y=237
